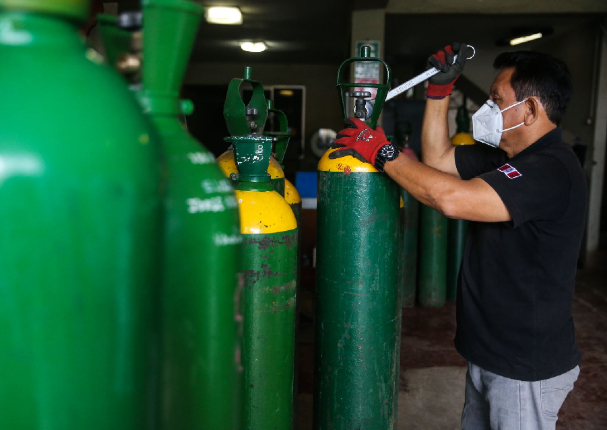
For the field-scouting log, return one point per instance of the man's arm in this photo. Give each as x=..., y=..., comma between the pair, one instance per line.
x=437, y=150
x=438, y=186
x=473, y=200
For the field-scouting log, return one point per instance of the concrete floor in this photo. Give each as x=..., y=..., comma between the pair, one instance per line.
x=432, y=372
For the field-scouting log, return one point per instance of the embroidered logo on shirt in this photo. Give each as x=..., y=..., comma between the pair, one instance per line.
x=510, y=171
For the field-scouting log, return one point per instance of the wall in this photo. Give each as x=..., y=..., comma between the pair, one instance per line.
x=579, y=50
x=587, y=111
x=576, y=49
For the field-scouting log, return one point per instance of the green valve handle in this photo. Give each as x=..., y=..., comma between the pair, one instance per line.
x=365, y=108
x=244, y=119
x=282, y=136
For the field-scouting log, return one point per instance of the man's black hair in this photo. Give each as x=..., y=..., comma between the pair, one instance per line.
x=540, y=75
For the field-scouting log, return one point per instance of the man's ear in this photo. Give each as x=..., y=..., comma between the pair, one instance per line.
x=533, y=110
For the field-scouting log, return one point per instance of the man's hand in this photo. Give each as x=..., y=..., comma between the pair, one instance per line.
x=359, y=141
x=441, y=84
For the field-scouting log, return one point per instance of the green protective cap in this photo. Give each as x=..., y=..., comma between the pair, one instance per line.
x=76, y=9
x=243, y=119
x=252, y=156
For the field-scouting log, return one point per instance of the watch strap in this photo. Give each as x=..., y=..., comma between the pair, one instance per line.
x=386, y=153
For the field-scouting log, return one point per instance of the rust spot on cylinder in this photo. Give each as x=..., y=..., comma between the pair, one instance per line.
x=265, y=242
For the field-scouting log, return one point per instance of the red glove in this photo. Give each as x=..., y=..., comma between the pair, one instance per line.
x=359, y=141
x=441, y=84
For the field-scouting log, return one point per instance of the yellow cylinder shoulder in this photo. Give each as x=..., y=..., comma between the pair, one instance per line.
x=275, y=170
x=291, y=195
x=228, y=165
x=347, y=164
x=264, y=212
x=459, y=139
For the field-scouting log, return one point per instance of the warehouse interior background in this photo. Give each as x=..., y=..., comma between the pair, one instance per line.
x=308, y=40
x=306, y=43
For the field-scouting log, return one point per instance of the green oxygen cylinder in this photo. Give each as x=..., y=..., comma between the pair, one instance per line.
x=201, y=369
x=281, y=142
x=269, y=261
x=281, y=138
x=409, y=242
x=408, y=224
x=432, y=276
x=409, y=248
x=81, y=238
x=458, y=228
x=358, y=310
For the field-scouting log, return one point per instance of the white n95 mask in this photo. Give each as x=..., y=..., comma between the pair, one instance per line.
x=488, y=121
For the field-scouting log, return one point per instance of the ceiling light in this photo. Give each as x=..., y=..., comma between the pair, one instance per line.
x=520, y=35
x=223, y=15
x=286, y=93
x=253, y=46
x=523, y=39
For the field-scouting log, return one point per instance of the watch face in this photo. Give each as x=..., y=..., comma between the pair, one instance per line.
x=388, y=152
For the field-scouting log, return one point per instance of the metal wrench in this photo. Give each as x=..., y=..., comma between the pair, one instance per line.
x=420, y=78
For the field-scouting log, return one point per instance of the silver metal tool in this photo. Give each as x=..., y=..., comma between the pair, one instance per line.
x=420, y=78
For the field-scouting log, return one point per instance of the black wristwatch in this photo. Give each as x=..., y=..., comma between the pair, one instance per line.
x=386, y=153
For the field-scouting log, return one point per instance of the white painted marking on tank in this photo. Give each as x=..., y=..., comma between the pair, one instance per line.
x=201, y=157
x=222, y=239
x=213, y=186
x=214, y=204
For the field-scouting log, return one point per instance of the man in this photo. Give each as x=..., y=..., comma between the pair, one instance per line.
x=528, y=201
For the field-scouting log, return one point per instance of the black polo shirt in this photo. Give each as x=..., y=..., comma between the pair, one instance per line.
x=517, y=278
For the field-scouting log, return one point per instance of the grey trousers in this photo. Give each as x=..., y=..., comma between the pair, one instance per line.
x=494, y=402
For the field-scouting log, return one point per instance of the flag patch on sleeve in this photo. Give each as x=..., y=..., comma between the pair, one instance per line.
x=510, y=171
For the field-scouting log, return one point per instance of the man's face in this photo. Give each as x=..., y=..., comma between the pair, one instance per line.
x=502, y=94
